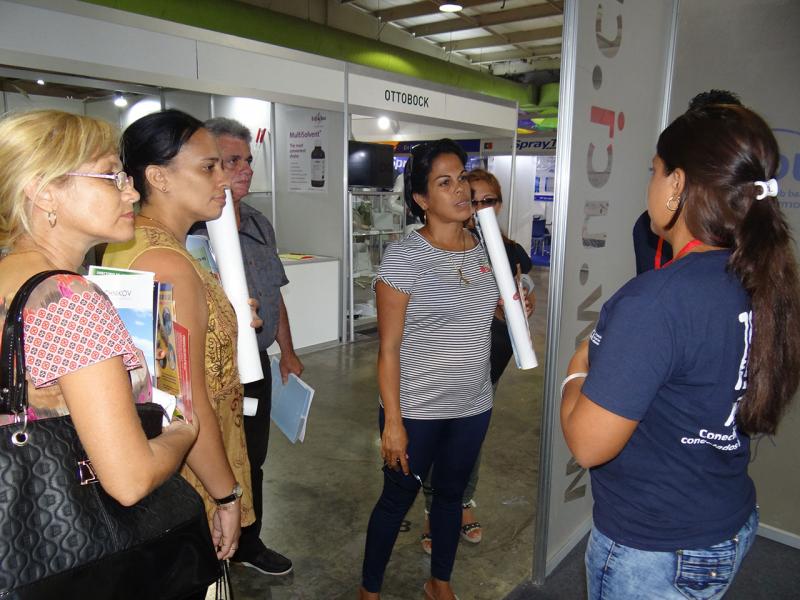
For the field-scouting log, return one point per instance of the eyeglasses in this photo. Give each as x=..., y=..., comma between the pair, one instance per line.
x=121, y=179
x=485, y=202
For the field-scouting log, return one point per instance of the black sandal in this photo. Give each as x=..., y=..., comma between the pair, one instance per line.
x=468, y=528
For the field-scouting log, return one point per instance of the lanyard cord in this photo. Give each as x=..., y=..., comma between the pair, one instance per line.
x=659, y=252
x=691, y=244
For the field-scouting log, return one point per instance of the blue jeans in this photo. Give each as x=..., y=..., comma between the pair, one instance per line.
x=451, y=447
x=616, y=572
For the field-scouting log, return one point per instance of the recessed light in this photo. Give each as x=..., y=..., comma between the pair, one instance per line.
x=40, y=81
x=450, y=7
x=384, y=123
x=120, y=101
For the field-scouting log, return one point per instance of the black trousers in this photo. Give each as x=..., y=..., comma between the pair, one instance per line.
x=256, y=431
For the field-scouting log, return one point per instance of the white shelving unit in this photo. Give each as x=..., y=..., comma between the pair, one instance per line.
x=376, y=218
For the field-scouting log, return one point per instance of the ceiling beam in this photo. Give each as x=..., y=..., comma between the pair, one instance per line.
x=518, y=67
x=421, y=9
x=517, y=37
x=537, y=11
x=490, y=57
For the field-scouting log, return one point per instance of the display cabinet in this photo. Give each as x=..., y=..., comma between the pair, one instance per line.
x=376, y=218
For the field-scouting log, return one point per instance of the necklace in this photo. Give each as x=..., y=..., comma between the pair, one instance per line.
x=164, y=227
x=462, y=279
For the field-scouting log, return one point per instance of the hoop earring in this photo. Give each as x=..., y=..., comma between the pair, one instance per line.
x=669, y=203
x=51, y=218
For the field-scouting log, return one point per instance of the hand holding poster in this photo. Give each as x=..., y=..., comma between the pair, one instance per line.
x=224, y=237
x=514, y=308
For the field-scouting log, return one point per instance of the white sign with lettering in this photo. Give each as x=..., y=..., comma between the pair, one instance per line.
x=397, y=97
x=381, y=94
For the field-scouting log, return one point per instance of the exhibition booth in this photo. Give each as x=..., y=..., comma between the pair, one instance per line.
x=298, y=106
x=624, y=76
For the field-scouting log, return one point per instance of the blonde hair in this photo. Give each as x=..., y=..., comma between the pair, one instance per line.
x=43, y=145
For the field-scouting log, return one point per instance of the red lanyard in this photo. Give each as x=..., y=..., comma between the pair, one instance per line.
x=659, y=248
x=691, y=244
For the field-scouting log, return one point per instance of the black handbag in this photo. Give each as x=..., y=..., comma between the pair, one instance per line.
x=61, y=534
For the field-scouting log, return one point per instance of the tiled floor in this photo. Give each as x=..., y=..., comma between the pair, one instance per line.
x=319, y=494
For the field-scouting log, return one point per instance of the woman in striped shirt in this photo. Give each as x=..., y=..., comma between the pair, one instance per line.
x=436, y=296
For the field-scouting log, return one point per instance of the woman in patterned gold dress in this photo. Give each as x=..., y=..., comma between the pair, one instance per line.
x=176, y=168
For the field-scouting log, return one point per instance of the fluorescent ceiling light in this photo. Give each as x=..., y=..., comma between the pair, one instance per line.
x=120, y=101
x=384, y=123
x=450, y=7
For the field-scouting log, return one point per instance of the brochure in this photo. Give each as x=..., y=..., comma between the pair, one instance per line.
x=131, y=293
x=166, y=367
x=136, y=296
x=184, y=407
x=295, y=256
x=291, y=403
x=200, y=248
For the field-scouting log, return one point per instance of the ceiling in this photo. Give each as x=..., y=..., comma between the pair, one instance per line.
x=516, y=39
x=511, y=37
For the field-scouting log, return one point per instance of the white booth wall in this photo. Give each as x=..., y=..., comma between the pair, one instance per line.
x=755, y=52
x=518, y=218
x=524, y=207
x=310, y=221
x=614, y=82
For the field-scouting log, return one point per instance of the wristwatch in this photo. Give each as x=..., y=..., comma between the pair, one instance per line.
x=233, y=497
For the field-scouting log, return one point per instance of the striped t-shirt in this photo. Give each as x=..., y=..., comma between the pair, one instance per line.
x=444, y=354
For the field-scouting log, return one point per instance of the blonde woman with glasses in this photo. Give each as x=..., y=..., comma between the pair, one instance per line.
x=62, y=191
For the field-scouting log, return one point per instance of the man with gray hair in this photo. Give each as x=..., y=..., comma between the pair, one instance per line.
x=265, y=276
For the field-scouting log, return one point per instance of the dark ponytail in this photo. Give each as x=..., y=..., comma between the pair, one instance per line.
x=418, y=167
x=155, y=139
x=764, y=261
x=723, y=150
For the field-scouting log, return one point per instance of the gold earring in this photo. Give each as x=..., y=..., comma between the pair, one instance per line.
x=164, y=189
x=669, y=203
x=51, y=218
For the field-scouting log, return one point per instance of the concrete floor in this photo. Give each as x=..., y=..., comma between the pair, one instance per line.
x=319, y=494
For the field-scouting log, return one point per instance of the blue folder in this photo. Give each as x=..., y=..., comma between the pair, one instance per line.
x=290, y=403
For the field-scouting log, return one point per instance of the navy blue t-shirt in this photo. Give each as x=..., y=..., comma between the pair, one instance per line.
x=670, y=351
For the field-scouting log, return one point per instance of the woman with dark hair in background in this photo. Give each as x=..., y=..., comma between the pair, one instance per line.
x=436, y=297
x=686, y=363
x=176, y=167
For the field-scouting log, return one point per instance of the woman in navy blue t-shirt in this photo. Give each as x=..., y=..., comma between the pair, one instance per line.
x=684, y=364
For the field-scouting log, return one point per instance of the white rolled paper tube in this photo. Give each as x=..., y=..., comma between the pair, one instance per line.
x=224, y=237
x=516, y=320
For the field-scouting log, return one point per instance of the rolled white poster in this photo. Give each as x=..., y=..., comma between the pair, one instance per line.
x=224, y=237
x=516, y=320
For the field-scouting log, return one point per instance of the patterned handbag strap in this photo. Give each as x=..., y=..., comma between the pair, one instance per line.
x=13, y=387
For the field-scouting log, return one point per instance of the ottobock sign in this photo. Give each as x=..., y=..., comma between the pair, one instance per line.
x=396, y=97
x=408, y=98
